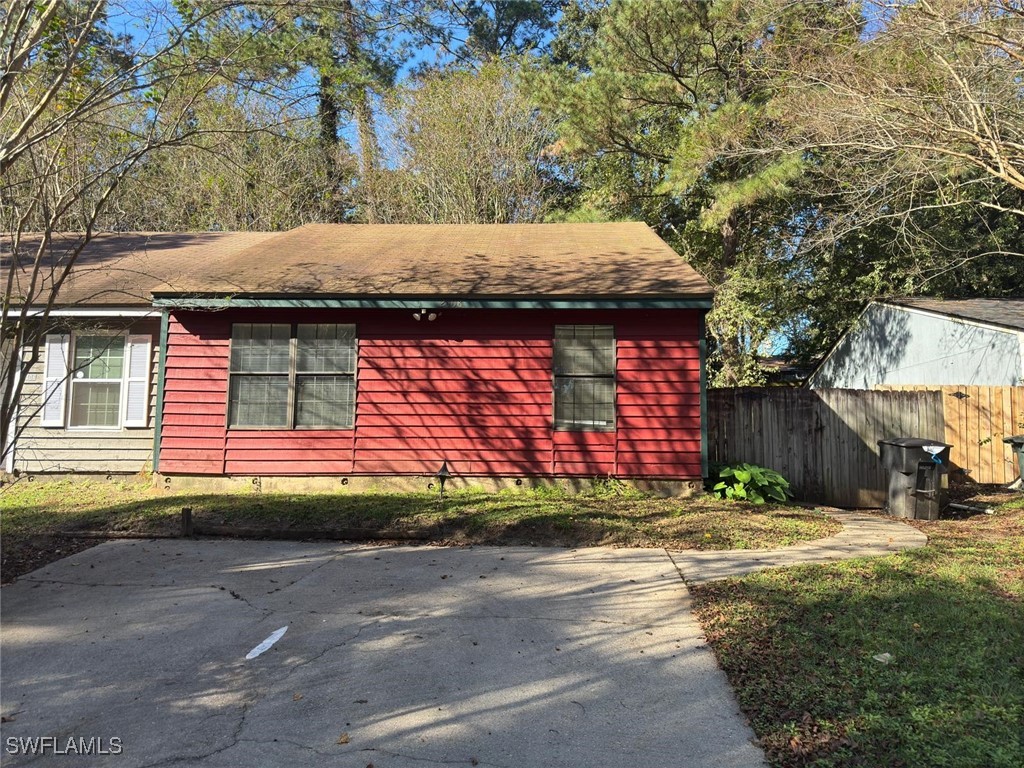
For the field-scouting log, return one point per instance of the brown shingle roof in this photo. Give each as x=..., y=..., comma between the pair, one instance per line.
x=120, y=269
x=395, y=260
x=1007, y=313
x=617, y=259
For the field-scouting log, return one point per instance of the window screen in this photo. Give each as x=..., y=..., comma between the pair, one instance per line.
x=584, y=368
x=285, y=376
x=325, y=386
x=260, y=373
x=98, y=368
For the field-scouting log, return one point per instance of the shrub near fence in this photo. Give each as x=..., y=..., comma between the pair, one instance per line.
x=825, y=441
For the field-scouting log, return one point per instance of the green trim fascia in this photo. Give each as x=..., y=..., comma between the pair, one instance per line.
x=427, y=303
x=165, y=322
x=703, y=343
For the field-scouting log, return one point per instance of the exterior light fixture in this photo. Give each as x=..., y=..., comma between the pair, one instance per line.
x=423, y=314
x=419, y=315
x=442, y=475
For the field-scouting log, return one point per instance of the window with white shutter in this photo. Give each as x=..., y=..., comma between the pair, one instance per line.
x=55, y=380
x=138, y=350
x=96, y=381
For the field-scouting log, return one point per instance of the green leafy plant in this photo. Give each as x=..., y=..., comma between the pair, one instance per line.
x=749, y=482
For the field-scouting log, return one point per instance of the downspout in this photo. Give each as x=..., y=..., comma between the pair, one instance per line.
x=165, y=322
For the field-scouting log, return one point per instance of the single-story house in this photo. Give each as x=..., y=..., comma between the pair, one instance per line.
x=88, y=402
x=512, y=351
x=945, y=342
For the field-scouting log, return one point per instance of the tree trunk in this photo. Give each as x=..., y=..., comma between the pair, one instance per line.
x=730, y=350
x=361, y=110
x=327, y=113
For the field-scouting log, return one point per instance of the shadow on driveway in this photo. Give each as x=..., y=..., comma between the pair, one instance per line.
x=491, y=656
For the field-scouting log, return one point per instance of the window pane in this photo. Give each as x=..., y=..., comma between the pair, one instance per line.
x=258, y=401
x=260, y=347
x=584, y=332
x=584, y=403
x=99, y=357
x=95, y=404
x=584, y=350
x=326, y=348
x=325, y=401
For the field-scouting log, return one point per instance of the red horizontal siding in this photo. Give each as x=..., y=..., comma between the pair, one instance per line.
x=174, y=374
x=426, y=466
x=453, y=414
x=192, y=453
x=171, y=431
x=177, y=467
x=584, y=468
x=432, y=421
x=194, y=396
x=461, y=378
x=473, y=388
x=680, y=471
x=280, y=467
x=241, y=440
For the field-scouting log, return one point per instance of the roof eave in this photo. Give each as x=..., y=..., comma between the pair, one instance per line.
x=951, y=315
x=636, y=301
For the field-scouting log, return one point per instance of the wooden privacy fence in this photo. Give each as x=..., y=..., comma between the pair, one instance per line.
x=976, y=419
x=825, y=441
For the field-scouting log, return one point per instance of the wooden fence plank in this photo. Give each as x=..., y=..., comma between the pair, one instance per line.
x=1007, y=463
x=975, y=421
x=823, y=441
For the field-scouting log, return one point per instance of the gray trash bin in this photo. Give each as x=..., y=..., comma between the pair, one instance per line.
x=916, y=468
x=1017, y=443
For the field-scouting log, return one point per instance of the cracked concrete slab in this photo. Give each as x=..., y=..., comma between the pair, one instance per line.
x=404, y=656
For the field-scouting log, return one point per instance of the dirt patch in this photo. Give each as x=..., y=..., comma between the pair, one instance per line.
x=21, y=554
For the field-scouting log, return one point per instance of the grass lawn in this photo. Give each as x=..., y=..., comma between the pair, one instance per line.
x=799, y=644
x=34, y=515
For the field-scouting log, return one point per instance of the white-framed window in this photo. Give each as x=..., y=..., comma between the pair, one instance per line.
x=96, y=380
x=584, y=373
x=286, y=376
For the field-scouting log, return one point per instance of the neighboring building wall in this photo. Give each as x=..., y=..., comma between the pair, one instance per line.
x=890, y=346
x=54, y=449
x=473, y=388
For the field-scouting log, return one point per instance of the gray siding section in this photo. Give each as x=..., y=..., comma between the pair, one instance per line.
x=894, y=346
x=52, y=449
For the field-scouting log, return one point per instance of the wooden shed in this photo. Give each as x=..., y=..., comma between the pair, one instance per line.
x=514, y=351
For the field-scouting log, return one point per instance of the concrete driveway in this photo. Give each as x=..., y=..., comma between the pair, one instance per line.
x=405, y=656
